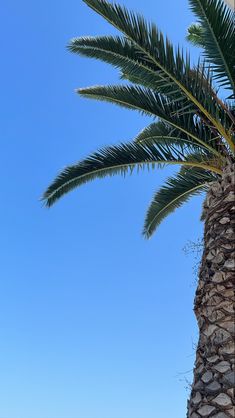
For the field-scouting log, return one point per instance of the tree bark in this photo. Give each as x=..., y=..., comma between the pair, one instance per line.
x=212, y=392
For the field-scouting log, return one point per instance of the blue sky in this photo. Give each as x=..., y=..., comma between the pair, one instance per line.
x=95, y=321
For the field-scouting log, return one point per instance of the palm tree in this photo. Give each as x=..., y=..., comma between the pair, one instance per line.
x=193, y=128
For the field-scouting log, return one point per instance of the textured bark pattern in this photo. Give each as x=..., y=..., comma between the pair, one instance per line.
x=214, y=375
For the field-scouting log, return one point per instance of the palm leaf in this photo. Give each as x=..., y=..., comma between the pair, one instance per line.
x=119, y=160
x=218, y=37
x=152, y=104
x=160, y=132
x=194, y=35
x=177, y=190
x=156, y=129
x=121, y=53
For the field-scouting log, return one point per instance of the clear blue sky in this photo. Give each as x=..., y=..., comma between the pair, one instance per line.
x=95, y=321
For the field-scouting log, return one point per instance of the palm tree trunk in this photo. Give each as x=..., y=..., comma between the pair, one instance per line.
x=214, y=375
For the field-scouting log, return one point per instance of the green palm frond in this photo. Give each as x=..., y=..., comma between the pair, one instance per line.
x=218, y=37
x=160, y=132
x=173, y=67
x=156, y=129
x=144, y=100
x=177, y=190
x=121, y=53
x=119, y=160
x=152, y=104
x=194, y=34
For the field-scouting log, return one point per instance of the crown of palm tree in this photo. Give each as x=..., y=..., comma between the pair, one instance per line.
x=193, y=127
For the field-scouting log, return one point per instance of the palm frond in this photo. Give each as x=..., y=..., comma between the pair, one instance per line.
x=194, y=34
x=173, y=66
x=162, y=133
x=153, y=104
x=175, y=193
x=119, y=159
x=156, y=129
x=218, y=37
x=123, y=54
